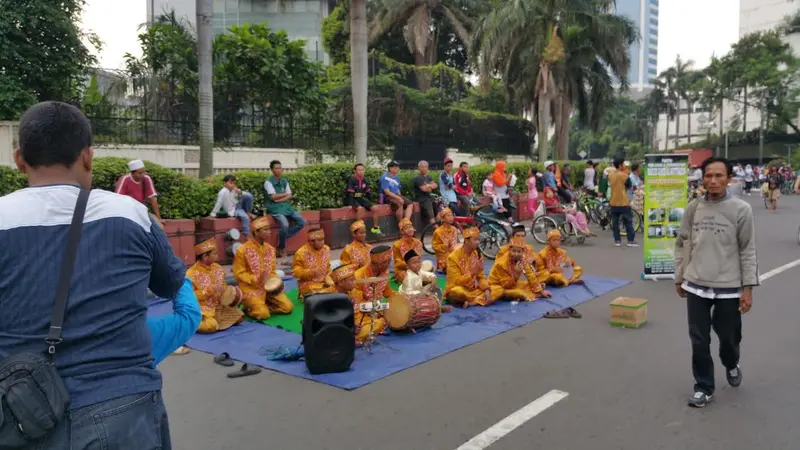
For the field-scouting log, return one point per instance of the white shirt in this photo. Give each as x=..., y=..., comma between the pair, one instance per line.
x=588, y=178
x=227, y=201
x=414, y=282
x=271, y=189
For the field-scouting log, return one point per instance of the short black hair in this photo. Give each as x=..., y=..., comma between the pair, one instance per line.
x=517, y=228
x=311, y=230
x=393, y=164
x=377, y=250
x=618, y=162
x=634, y=166
x=589, y=163
x=274, y=163
x=53, y=133
x=229, y=177
x=356, y=166
x=462, y=164
x=717, y=159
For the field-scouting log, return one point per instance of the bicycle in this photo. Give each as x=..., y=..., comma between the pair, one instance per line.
x=604, y=210
x=492, y=232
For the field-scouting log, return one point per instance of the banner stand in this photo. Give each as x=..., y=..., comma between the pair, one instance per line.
x=665, y=198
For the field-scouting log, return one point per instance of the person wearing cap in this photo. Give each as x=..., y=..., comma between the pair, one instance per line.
x=232, y=202
x=208, y=282
x=463, y=186
x=505, y=277
x=556, y=260
x=401, y=246
x=445, y=238
x=380, y=257
x=416, y=277
x=253, y=264
x=549, y=178
x=390, y=189
x=357, y=251
x=138, y=185
x=447, y=187
x=466, y=278
x=344, y=281
x=532, y=258
x=423, y=186
x=312, y=264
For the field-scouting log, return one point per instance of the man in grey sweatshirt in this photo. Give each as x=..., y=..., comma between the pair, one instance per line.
x=716, y=268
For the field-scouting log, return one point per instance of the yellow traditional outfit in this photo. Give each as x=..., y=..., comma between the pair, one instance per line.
x=445, y=239
x=311, y=266
x=506, y=284
x=340, y=274
x=356, y=252
x=463, y=285
x=401, y=247
x=366, y=292
x=208, y=282
x=250, y=262
x=531, y=258
x=555, y=260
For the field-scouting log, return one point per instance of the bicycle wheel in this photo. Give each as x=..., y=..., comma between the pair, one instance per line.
x=541, y=226
x=491, y=236
x=637, y=220
x=427, y=238
x=766, y=201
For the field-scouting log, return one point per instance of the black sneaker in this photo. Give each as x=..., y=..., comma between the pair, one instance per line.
x=700, y=399
x=734, y=376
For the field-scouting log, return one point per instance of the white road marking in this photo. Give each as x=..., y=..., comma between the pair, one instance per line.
x=779, y=270
x=513, y=421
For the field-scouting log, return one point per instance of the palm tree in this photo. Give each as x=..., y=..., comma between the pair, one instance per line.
x=418, y=19
x=666, y=81
x=205, y=9
x=681, y=83
x=358, y=76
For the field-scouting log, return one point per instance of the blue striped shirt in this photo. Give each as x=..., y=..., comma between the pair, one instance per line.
x=106, y=352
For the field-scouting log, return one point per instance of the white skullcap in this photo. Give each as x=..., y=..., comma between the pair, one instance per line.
x=548, y=164
x=135, y=165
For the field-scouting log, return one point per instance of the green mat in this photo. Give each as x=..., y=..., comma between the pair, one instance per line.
x=293, y=322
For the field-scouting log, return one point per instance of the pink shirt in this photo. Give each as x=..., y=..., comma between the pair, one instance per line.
x=532, y=192
x=140, y=191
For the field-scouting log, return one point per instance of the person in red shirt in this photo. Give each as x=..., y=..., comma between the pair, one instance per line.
x=463, y=186
x=139, y=186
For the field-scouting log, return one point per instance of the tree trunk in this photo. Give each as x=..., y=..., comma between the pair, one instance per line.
x=542, y=125
x=358, y=76
x=677, y=122
x=205, y=9
x=689, y=124
x=562, y=128
x=744, y=114
x=666, y=132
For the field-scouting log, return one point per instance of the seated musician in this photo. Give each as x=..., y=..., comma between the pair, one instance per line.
x=357, y=252
x=380, y=257
x=416, y=278
x=445, y=238
x=531, y=256
x=253, y=264
x=344, y=281
x=556, y=260
x=505, y=278
x=401, y=246
x=312, y=263
x=466, y=280
x=208, y=282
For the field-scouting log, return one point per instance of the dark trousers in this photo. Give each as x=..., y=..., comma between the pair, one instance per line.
x=626, y=214
x=724, y=316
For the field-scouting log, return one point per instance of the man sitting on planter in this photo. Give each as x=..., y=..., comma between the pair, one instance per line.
x=278, y=195
x=232, y=202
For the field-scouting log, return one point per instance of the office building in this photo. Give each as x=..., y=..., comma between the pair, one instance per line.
x=302, y=19
x=644, y=54
x=763, y=15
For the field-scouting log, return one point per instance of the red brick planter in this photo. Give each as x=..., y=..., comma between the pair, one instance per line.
x=336, y=223
x=218, y=229
x=299, y=239
x=181, y=237
x=522, y=207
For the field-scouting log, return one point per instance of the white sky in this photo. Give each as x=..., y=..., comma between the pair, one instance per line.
x=695, y=29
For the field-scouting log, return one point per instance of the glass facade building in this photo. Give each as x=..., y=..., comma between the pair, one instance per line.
x=644, y=54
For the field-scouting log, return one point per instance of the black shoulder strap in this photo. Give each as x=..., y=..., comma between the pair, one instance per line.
x=65, y=274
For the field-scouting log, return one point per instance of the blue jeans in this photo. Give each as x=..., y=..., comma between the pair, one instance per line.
x=287, y=231
x=626, y=214
x=243, y=208
x=133, y=422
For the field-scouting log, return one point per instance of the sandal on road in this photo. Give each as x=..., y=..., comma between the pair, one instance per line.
x=572, y=312
x=181, y=351
x=224, y=359
x=557, y=315
x=245, y=371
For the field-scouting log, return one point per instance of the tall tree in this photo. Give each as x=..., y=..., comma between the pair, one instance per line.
x=205, y=10
x=42, y=53
x=358, y=76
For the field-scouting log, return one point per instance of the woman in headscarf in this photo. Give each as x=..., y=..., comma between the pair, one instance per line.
x=500, y=180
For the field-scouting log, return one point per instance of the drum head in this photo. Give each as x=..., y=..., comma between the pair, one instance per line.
x=235, y=247
x=399, y=312
x=273, y=285
x=427, y=266
x=435, y=291
x=229, y=296
x=281, y=274
x=234, y=234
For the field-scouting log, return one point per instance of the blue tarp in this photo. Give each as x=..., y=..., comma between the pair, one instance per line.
x=253, y=342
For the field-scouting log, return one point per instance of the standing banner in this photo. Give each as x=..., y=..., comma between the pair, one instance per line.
x=665, y=197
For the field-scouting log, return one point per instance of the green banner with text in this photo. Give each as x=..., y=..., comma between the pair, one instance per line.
x=665, y=191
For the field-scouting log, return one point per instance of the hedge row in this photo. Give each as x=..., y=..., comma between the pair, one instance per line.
x=315, y=187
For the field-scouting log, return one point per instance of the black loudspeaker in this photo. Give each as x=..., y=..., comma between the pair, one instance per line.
x=328, y=333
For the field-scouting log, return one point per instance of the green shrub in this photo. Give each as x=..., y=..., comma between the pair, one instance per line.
x=315, y=187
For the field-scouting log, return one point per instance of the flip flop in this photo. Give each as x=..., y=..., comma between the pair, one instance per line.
x=224, y=359
x=556, y=315
x=181, y=351
x=572, y=312
x=245, y=371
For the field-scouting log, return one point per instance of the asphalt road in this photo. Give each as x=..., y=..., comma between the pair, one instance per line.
x=627, y=388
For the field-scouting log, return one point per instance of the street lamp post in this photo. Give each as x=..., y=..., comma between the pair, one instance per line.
x=761, y=135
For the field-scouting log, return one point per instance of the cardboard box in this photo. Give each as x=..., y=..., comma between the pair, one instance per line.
x=628, y=312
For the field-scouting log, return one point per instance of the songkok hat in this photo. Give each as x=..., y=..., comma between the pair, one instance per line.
x=316, y=234
x=554, y=234
x=380, y=254
x=444, y=212
x=470, y=232
x=405, y=223
x=135, y=165
x=357, y=225
x=410, y=254
x=260, y=223
x=205, y=247
x=343, y=272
